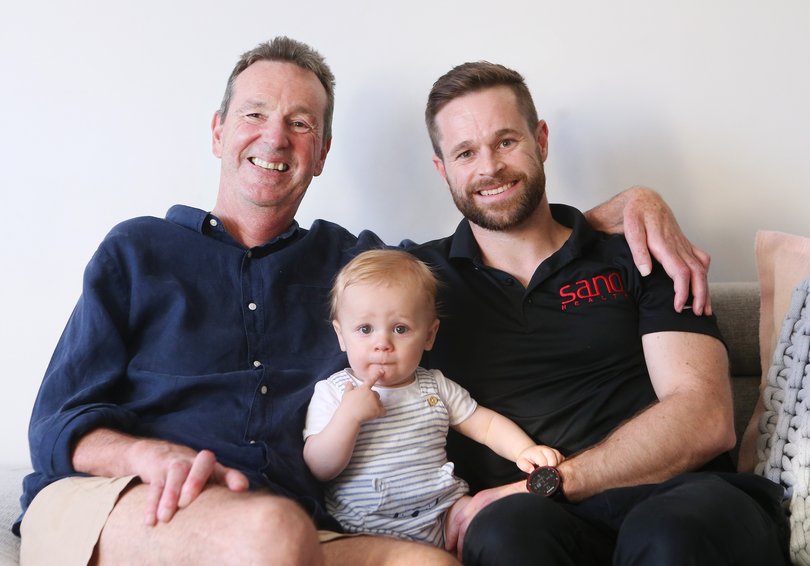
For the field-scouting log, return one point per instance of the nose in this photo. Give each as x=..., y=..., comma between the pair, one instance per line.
x=491, y=163
x=276, y=133
x=383, y=344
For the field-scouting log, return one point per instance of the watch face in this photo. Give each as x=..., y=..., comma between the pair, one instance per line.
x=543, y=481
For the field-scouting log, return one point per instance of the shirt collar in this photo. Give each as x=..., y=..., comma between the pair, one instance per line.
x=208, y=224
x=582, y=235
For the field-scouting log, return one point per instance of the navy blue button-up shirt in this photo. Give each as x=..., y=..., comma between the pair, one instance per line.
x=183, y=334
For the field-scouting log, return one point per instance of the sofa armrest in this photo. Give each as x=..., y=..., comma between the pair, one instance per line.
x=736, y=306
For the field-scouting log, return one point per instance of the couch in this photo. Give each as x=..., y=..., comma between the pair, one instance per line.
x=735, y=304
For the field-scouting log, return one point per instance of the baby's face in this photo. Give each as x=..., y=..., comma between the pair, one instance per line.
x=384, y=329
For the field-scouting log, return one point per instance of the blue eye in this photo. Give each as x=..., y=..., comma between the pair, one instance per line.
x=400, y=329
x=364, y=329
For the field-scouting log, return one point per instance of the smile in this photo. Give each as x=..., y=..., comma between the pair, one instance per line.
x=267, y=165
x=497, y=190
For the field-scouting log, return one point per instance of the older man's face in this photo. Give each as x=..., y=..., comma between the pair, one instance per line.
x=271, y=142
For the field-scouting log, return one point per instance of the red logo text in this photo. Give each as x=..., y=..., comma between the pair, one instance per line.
x=597, y=288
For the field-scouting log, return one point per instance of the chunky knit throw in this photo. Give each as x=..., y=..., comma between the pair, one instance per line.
x=783, y=447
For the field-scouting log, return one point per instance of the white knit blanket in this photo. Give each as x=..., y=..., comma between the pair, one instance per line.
x=783, y=446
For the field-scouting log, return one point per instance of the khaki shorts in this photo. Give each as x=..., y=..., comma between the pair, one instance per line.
x=65, y=520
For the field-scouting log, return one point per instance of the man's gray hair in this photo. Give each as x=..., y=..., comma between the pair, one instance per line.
x=287, y=50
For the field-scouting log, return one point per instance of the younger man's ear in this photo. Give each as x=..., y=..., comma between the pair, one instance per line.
x=438, y=163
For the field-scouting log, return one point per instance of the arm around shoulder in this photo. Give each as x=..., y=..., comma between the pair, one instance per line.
x=650, y=228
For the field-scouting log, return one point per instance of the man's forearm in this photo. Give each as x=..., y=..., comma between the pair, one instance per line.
x=671, y=437
x=104, y=452
x=609, y=216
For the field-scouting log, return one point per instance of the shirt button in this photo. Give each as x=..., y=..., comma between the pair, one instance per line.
x=249, y=254
x=530, y=301
x=509, y=281
x=252, y=442
x=252, y=306
x=257, y=364
x=264, y=390
x=213, y=222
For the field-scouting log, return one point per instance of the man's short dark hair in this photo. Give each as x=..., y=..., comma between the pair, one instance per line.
x=471, y=77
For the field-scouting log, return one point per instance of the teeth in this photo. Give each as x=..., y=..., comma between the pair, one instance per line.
x=496, y=190
x=270, y=166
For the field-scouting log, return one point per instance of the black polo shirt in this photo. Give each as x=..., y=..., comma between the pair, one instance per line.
x=562, y=358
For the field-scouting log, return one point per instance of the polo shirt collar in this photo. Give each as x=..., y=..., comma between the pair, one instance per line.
x=582, y=235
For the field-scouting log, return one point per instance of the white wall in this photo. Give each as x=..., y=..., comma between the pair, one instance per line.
x=105, y=110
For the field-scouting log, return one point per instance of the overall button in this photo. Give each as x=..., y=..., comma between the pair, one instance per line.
x=252, y=306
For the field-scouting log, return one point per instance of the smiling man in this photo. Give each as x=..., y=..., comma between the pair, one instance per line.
x=634, y=394
x=168, y=425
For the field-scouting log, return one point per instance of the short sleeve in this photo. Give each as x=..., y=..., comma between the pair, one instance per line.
x=325, y=401
x=460, y=405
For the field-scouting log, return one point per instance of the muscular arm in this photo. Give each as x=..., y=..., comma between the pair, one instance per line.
x=176, y=474
x=651, y=228
x=690, y=424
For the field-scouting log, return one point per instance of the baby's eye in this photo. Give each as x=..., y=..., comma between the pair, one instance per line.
x=400, y=329
x=364, y=329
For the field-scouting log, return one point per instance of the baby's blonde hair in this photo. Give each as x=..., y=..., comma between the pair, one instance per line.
x=385, y=267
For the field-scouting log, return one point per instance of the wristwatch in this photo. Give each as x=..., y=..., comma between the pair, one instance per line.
x=546, y=481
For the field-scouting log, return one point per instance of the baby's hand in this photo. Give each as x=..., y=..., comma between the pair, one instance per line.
x=538, y=455
x=361, y=402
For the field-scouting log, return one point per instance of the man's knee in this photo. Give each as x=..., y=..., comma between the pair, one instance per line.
x=520, y=529
x=275, y=530
x=219, y=527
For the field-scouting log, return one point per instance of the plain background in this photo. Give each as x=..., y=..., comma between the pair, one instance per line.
x=105, y=112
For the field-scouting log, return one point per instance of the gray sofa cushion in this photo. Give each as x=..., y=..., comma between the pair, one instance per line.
x=10, y=489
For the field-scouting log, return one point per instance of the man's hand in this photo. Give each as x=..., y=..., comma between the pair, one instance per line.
x=650, y=228
x=538, y=455
x=177, y=475
x=458, y=522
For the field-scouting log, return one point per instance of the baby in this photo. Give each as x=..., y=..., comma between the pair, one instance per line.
x=377, y=431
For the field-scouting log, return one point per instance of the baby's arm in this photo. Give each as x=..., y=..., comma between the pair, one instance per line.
x=507, y=439
x=328, y=452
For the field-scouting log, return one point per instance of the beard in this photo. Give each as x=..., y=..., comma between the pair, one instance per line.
x=505, y=215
